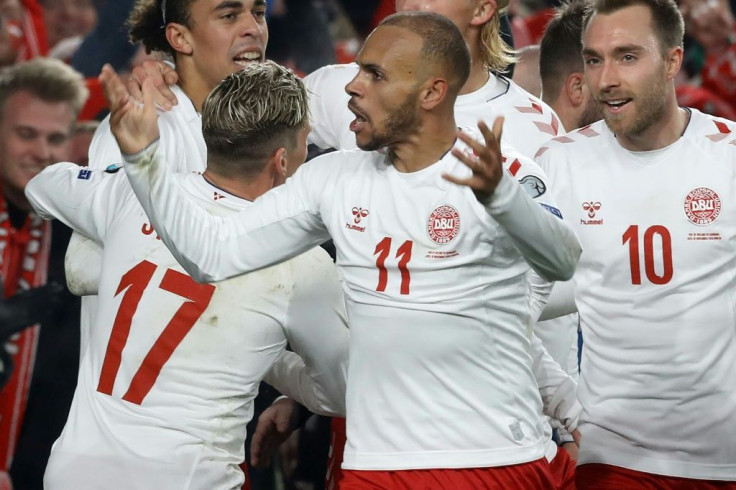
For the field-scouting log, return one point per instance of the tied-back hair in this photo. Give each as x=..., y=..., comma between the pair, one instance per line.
x=147, y=22
x=496, y=54
x=47, y=79
x=442, y=44
x=667, y=20
x=252, y=113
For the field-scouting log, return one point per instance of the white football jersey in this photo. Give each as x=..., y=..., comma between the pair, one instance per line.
x=440, y=367
x=170, y=366
x=656, y=292
x=181, y=134
x=528, y=124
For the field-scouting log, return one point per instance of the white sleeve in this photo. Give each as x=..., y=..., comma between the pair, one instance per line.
x=329, y=117
x=558, y=389
x=535, y=225
x=561, y=301
x=316, y=324
x=81, y=198
x=290, y=376
x=280, y=224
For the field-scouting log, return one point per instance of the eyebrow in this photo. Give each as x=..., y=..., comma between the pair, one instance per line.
x=228, y=4
x=628, y=48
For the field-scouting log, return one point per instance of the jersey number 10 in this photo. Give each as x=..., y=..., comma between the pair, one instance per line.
x=632, y=237
x=134, y=282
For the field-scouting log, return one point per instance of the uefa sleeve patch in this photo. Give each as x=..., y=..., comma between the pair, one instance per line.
x=552, y=210
x=533, y=185
x=84, y=174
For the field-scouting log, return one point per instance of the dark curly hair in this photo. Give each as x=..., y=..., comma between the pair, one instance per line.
x=146, y=23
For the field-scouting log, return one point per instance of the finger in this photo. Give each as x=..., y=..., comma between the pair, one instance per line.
x=480, y=155
x=492, y=137
x=134, y=88
x=148, y=93
x=471, y=161
x=112, y=87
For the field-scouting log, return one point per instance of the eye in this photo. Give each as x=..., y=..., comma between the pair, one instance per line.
x=591, y=61
x=229, y=15
x=628, y=58
x=376, y=75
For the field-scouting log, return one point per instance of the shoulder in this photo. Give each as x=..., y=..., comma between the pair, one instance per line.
x=331, y=75
x=575, y=142
x=711, y=131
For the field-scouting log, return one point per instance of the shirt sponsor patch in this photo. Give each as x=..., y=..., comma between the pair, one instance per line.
x=111, y=169
x=84, y=174
x=552, y=210
x=533, y=186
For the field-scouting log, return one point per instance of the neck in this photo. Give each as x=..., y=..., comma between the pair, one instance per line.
x=479, y=73
x=244, y=188
x=426, y=146
x=192, y=83
x=659, y=135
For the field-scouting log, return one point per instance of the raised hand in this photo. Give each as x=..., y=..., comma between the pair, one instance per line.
x=134, y=124
x=162, y=76
x=485, y=162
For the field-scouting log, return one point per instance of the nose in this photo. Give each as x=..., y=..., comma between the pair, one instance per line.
x=608, y=76
x=251, y=26
x=354, y=87
x=41, y=150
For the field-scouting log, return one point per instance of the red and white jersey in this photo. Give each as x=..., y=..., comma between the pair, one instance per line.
x=529, y=122
x=181, y=134
x=656, y=292
x=170, y=367
x=440, y=366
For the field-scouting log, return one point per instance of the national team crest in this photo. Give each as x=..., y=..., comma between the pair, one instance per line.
x=444, y=224
x=702, y=206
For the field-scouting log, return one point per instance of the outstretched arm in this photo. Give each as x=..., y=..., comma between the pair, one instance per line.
x=546, y=242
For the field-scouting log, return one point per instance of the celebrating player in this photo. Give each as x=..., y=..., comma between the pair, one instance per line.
x=171, y=367
x=434, y=272
x=655, y=284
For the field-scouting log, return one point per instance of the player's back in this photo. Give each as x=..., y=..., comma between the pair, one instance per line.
x=171, y=367
x=655, y=290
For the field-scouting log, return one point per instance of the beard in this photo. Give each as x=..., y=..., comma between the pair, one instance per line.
x=400, y=122
x=649, y=109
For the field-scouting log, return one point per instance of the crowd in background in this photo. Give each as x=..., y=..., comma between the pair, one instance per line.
x=304, y=35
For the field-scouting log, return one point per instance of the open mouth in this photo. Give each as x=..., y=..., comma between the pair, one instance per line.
x=615, y=105
x=243, y=59
x=359, y=120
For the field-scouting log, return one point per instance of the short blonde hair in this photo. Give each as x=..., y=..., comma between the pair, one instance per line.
x=48, y=79
x=251, y=113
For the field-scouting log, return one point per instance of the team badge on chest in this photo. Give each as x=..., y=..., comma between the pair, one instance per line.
x=702, y=206
x=443, y=225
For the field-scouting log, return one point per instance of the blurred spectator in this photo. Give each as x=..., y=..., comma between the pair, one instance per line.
x=299, y=35
x=67, y=22
x=22, y=32
x=108, y=42
x=39, y=101
x=10, y=31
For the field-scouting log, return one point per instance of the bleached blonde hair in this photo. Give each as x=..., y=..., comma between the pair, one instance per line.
x=497, y=55
x=250, y=114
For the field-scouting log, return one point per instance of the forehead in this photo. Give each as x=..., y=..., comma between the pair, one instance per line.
x=24, y=109
x=628, y=26
x=391, y=47
x=211, y=5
